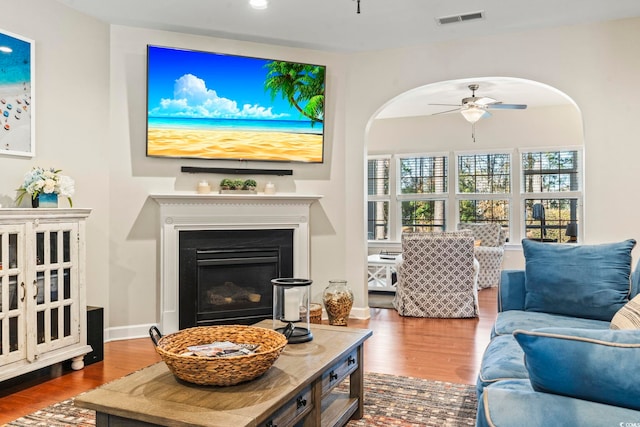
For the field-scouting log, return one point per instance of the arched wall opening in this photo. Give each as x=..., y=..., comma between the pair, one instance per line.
x=409, y=124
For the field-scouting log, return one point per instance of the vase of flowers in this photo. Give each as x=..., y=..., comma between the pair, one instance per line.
x=44, y=186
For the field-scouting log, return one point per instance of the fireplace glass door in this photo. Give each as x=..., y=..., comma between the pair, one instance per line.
x=235, y=284
x=225, y=275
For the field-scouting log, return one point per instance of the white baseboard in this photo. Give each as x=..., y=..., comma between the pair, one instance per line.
x=127, y=332
x=360, y=313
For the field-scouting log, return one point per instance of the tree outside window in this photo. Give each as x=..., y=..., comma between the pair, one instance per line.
x=423, y=189
x=484, y=187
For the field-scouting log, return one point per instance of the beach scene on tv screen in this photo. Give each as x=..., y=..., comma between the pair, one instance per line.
x=216, y=106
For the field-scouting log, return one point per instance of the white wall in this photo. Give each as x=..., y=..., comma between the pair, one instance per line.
x=533, y=127
x=90, y=123
x=72, y=118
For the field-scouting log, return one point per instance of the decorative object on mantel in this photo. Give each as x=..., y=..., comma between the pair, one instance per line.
x=230, y=186
x=269, y=188
x=204, y=187
x=44, y=186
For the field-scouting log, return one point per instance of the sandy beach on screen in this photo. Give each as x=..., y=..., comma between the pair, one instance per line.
x=15, y=118
x=244, y=145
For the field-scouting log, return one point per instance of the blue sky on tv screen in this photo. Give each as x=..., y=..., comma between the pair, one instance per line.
x=193, y=84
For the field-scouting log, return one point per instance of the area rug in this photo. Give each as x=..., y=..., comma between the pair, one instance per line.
x=388, y=401
x=381, y=299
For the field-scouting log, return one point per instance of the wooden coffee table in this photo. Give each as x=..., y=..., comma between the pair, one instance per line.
x=299, y=388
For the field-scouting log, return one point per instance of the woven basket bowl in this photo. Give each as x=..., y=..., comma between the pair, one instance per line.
x=220, y=371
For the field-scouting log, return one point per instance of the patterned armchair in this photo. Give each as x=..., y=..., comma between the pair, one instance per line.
x=490, y=251
x=437, y=276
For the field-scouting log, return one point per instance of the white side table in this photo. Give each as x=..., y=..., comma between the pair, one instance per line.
x=380, y=273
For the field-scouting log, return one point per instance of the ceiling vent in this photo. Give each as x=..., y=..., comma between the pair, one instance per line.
x=460, y=18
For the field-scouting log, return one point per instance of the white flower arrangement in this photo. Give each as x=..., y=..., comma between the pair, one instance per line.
x=39, y=180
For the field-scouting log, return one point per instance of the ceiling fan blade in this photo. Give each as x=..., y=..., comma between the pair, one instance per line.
x=446, y=111
x=501, y=106
x=485, y=101
x=449, y=105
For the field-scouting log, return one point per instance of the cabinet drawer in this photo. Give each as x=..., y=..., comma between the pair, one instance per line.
x=292, y=411
x=338, y=372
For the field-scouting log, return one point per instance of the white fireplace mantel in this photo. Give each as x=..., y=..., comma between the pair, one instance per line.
x=181, y=211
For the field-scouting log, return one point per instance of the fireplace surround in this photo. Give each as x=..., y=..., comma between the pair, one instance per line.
x=189, y=211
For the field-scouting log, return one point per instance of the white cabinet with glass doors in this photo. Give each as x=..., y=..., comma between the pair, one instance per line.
x=42, y=289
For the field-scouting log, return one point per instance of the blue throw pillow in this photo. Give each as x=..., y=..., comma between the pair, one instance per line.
x=589, y=281
x=590, y=364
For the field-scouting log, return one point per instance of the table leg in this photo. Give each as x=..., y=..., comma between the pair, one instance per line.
x=356, y=385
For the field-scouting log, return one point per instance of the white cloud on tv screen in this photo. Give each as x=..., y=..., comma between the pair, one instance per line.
x=192, y=99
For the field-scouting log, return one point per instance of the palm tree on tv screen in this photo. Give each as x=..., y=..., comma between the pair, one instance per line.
x=300, y=84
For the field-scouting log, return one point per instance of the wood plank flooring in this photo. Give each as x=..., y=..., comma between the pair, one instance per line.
x=437, y=349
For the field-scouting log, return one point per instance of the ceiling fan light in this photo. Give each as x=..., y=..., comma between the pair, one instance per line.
x=472, y=114
x=259, y=4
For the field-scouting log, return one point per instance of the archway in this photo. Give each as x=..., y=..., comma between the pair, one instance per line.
x=410, y=124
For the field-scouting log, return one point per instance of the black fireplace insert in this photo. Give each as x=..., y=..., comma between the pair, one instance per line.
x=225, y=275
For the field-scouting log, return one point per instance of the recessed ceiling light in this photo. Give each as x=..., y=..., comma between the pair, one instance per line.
x=259, y=4
x=5, y=49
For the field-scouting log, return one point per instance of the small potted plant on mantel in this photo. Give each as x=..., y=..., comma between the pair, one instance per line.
x=249, y=184
x=230, y=186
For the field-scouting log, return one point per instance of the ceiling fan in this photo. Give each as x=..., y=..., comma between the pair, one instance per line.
x=474, y=108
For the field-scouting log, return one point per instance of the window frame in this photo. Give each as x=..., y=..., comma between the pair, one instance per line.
x=553, y=195
x=404, y=197
x=382, y=197
x=507, y=196
x=516, y=197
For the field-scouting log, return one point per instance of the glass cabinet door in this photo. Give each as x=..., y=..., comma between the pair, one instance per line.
x=12, y=294
x=55, y=287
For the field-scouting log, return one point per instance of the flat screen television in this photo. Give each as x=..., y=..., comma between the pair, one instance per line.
x=206, y=105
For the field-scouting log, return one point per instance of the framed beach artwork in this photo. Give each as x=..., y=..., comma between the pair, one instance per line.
x=16, y=95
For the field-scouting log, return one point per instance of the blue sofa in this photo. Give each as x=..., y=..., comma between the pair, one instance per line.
x=554, y=358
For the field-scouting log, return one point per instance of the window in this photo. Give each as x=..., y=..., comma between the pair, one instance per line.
x=422, y=193
x=552, y=194
x=378, y=198
x=407, y=194
x=410, y=193
x=484, y=187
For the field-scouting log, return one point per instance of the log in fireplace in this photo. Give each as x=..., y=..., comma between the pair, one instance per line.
x=225, y=275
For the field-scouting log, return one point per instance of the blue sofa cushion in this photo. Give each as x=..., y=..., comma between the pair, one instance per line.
x=508, y=321
x=589, y=281
x=512, y=403
x=502, y=359
x=595, y=365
